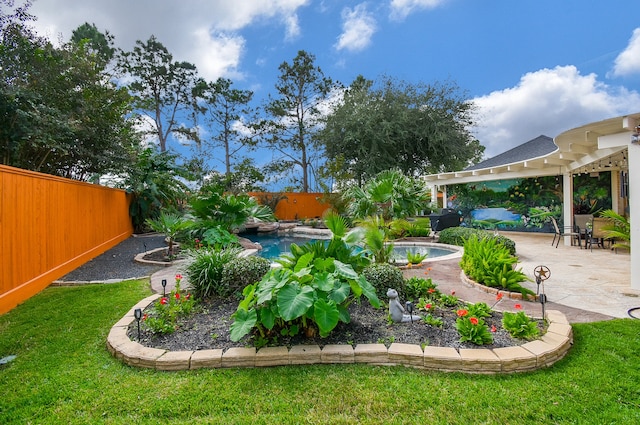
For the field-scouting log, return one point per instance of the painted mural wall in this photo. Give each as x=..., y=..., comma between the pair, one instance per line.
x=526, y=205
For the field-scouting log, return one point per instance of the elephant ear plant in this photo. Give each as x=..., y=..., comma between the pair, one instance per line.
x=314, y=295
x=311, y=292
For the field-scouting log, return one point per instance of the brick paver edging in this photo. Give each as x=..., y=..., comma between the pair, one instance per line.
x=530, y=356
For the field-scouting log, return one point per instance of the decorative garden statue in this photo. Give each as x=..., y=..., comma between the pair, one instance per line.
x=396, y=310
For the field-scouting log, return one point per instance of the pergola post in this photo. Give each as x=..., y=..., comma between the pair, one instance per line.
x=634, y=213
x=567, y=205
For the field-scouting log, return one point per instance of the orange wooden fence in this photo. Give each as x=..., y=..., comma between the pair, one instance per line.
x=295, y=206
x=50, y=226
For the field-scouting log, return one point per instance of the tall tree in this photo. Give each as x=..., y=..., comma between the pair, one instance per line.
x=162, y=88
x=227, y=111
x=296, y=114
x=417, y=128
x=58, y=112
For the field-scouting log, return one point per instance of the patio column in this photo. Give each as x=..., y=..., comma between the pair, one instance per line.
x=434, y=195
x=444, y=197
x=567, y=204
x=634, y=214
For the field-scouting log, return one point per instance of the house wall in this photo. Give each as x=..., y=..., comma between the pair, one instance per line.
x=49, y=226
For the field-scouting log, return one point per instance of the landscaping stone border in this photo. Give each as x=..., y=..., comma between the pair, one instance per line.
x=532, y=355
x=495, y=291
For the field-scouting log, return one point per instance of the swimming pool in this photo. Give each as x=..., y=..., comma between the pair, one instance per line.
x=273, y=245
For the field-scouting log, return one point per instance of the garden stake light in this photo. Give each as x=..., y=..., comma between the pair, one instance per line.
x=138, y=315
x=164, y=287
x=409, y=307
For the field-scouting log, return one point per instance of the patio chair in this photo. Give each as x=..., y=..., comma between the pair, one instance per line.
x=580, y=224
x=558, y=234
x=597, y=233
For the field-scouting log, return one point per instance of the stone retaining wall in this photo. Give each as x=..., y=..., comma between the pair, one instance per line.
x=530, y=356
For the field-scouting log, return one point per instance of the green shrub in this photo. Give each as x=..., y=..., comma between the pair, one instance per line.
x=519, y=325
x=383, y=276
x=459, y=235
x=205, y=268
x=243, y=271
x=417, y=287
x=490, y=263
x=479, y=310
x=473, y=329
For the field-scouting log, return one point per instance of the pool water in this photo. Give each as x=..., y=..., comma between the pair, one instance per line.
x=274, y=245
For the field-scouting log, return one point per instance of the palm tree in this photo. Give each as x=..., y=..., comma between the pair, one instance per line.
x=390, y=195
x=619, y=230
x=170, y=225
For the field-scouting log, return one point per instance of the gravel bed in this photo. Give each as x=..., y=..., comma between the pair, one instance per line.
x=118, y=263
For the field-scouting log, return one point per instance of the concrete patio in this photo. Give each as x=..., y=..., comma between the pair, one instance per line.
x=597, y=280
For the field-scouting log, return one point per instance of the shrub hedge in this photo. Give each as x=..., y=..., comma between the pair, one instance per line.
x=458, y=236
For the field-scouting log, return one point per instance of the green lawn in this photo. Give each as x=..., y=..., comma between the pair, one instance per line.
x=63, y=374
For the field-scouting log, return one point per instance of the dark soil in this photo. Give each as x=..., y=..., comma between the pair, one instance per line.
x=208, y=328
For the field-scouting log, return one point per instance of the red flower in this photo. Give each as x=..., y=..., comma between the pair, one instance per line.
x=499, y=296
x=178, y=277
x=177, y=295
x=144, y=317
x=164, y=300
x=431, y=290
x=517, y=306
x=462, y=312
x=427, y=306
x=493, y=328
x=473, y=321
x=188, y=296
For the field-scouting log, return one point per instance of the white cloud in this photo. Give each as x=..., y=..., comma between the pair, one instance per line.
x=358, y=27
x=548, y=101
x=400, y=9
x=202, y=32
x=628, y=62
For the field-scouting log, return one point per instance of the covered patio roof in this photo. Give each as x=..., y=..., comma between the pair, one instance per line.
x=599, y=146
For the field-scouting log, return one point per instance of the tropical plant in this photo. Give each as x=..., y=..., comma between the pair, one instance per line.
x=519, y=325
x=390, y=195
x=375, y=240
x=155, y=182
x=619, y=230
x=459, y=235
x=415, y=257
x=313, y=295
x=490, y=263
x=343, y=245
x=170, y=225
x=213, y=208
x=204, y=271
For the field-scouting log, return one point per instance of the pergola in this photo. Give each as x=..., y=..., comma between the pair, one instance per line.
x=608, y=145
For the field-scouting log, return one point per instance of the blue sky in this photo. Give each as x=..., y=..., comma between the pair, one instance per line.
x=532, y=67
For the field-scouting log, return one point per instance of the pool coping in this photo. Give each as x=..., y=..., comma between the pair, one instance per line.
x=533, y=355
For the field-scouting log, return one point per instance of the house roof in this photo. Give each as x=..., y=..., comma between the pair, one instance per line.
x=535, y=148
x=581, y=149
